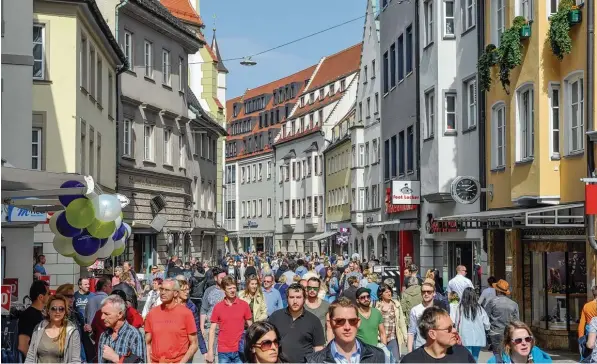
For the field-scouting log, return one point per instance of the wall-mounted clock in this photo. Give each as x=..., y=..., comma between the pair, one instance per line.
x=465, y=190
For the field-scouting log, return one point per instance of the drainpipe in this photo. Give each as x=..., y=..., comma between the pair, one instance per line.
x=481, y=111
x=417, y=118
x=590, y=13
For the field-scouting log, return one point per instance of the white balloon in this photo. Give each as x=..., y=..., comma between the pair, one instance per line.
x=128, y=229
x=107, y=207
x=85, y=260
x=118, y=222
x=63, y=245
x=119, y=244
x=106, y=250
x=52, y=222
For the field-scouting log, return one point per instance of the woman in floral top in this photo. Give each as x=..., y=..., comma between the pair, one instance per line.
x=393, y=319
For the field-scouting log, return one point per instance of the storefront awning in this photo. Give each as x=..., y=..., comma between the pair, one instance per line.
x=567, y=215
x=322, y=236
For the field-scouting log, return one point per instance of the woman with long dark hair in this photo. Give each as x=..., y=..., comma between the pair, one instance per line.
x=262, y=344
x=471, y=321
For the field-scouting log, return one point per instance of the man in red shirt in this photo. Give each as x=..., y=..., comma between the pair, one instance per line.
x=230, y=316
x=170, y=329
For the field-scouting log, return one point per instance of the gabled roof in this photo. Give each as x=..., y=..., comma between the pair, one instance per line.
x=337, y=66
x=159, y=10
x=216, y=49
x=183, y=10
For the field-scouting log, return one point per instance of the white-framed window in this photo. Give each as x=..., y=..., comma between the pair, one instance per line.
x=525, y=115
x=167, y=147
x=182, y=152
x=430, y=113
x=269, y=207
x=127, y=147
x=166, y=67
x=248, y=174
x=127, y=47
x=366, y=153
x=269, y=170
x=361, y=155
x=428, y=22
x=39, y=51
x=197, y=142
x=526, y=9
x=254, y=173
x=552, y=7
x=181, y=77
x=260, y=213
x=83, y=61
x=554, y=119
x=498, y=122
x=574, y=105
x=361, y=199
x=470, y=99
x=498, y=21
x=92, y=151
x=375, y=151
x=450, y=111
x=242, y=209
x=468, y=20
x=36, y=148
x=91, y=70
x=148, y=142
x=148, y=58
x=254, y=209
x=449, y=22
x=100, y=79
x=207, y=146
x=83, y=147
x=260, y=171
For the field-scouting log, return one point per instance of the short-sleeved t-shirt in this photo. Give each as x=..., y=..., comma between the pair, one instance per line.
x=28, y=320
x=231, y=322
x=321, y=312
x=298, y=336
x=170, y=330
x=81, y=301
x=369, y=328
x=455, y=354
x=211, y=297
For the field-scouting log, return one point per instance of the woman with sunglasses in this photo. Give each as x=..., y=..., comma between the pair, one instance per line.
x=393, y=319
x=68, y=291
x=56, y=339
x=519, y=346
x=262, y=344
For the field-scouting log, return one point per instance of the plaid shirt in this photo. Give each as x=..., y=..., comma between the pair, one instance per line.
x=389, y=322
x=129, y=339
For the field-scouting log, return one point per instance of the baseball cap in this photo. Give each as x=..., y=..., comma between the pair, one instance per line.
x=217, y=270
x=362, y=290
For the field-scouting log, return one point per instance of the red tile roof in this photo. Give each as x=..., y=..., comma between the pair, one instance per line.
x=337, y=66
x=317, y=104
x=183, y=10
x=213, y=56
x=217, y=101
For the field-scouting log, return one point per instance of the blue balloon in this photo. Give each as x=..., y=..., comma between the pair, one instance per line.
x=119, y=234
x=103, y=242
x=65, y=229
x=66, y=199
x=85, y=244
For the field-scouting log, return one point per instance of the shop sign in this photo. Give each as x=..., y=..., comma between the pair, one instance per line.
x=6, y=299
x=434, y=226
x=251, y=224
x=406, y=192
x=370, y=219
x=16, y=214
x=391, y=208
x=13, y=283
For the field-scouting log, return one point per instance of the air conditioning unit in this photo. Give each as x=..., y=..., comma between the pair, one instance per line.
x=158, y=203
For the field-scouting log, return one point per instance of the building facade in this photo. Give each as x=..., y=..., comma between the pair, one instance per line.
x=399, y=74
x=255, y=119
x=327, y=99
x=366, y=237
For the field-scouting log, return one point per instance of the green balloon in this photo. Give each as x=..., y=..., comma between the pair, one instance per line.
x=80, y=213
x=101, y=229
x=118, y=251
x=84, y=262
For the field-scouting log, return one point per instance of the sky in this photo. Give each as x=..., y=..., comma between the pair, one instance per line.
x=246, y=27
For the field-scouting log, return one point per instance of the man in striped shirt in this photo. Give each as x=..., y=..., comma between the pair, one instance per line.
x=120, y=339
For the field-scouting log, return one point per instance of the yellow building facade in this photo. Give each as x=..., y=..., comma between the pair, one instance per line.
x=74, y=91
x=535, y=158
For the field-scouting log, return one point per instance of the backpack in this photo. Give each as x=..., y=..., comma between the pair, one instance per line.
x=10, y=338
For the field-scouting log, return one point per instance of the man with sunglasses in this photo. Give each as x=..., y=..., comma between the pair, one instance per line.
x=415, y=339
x=371, y=319
x=317, y=306
x=345, y=346
x=437, y=329
x=300, y=330
x=459, y=283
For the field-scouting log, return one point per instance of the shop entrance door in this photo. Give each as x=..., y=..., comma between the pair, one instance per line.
x=463, y=253
x=144, y=252
x=259, y=245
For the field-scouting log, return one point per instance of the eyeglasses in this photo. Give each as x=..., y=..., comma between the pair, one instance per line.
x=57, y=308
x=427, y=292
x=267, y=344
x=312, y=288
x=518, y=341
x=365, y=297
x=342, y=321
x=447, y=329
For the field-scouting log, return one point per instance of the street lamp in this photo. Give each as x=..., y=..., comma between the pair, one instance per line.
x=248, y=61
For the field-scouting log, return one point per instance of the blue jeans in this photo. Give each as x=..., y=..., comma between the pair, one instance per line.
x=229, y=357
x=475, y=350
x=394, y=348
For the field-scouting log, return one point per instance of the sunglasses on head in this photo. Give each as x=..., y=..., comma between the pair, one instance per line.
x=342, y=321
x=57, y=308
x=267, y=344
x=528, y=339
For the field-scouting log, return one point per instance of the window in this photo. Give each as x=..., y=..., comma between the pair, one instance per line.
x=575, y=111
x=148, y=142
x=430, y=113
x=368, y=107
x=342, y=84
x=526, y=9
x=242, y=209
x=401, y=169
x=92, y=151
x=269, y=170
x=165, y=67
x=361, y=155
x=260, y=211
x=554, y=118
x=36, y=148
x=181, y=78
x=410, y=149
x=260, y=171
x=393, y=155
x=376, y=103
x=254, y=173
x=525, y=126
x=83, y=59
x=127, y=139
x=499, y=136
x=110, y=94
x=99, y=157
x=365, y=78
x=367, y=154
x=393, y=65
x=167, y=147
x=207, y=146
x=320, y=212
x=269, y=207
x=428, y=22
x=450, y=109
x=400, y=57
x=468, y=20
x=552, y=7
x=83, y=147
x=320, y=117
x=375, y=151
x=449, y=18
x=470, y=92
x=361, y=204
x=148, y=60
x=360, y=111
x=100, y=78
x=128, y=47
x=500, y=21
x=91, y=70
x=39, y=58
x=409, y=49
x=373, y=70
x=385, y=73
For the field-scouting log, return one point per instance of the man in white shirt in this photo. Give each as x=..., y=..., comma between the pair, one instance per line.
x=415, y=340
x=459, y=283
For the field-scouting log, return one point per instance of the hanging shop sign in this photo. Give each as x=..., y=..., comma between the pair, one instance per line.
x=13, y=283
x=16, y=214
x=250, y=224
x=392, y=208
x=432, y=226
x=406, y=192
x=6, y=300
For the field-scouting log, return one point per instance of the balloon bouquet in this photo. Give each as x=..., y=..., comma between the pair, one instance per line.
x=90, y=227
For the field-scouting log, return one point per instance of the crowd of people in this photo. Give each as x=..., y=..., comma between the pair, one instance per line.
x=270, y=309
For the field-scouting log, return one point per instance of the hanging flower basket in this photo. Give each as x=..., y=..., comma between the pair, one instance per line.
x=574, y=16
x=525, y=31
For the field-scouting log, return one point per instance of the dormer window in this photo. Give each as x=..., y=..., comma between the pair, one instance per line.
x=321, y=93
x=332, y=89
x=302, y=101
x=342, y=85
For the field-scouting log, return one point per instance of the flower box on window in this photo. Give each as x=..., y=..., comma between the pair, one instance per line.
x=574, y=16
x=525, y=31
